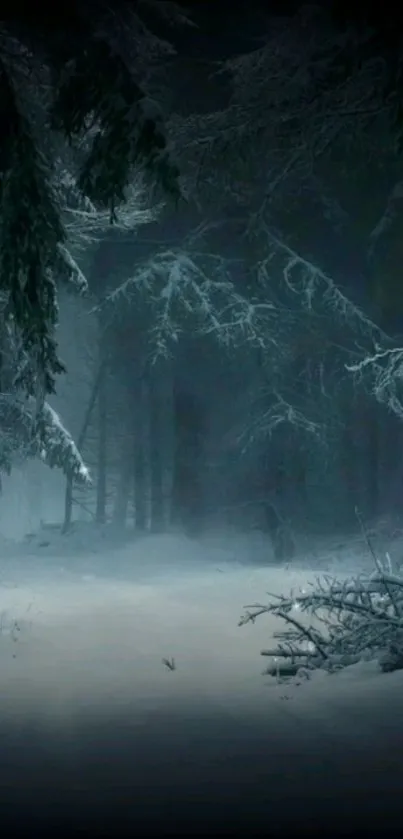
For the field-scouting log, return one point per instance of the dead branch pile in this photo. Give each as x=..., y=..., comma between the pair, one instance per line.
x=336, y=623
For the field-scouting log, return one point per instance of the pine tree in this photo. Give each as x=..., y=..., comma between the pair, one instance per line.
x=87, y=94
x=67, y=86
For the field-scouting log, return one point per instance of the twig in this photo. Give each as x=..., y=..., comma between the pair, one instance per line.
x=307, y=632
x=279, y=653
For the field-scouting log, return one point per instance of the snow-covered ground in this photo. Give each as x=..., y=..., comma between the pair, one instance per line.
x=93, y=721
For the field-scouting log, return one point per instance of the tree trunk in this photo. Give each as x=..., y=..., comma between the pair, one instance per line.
x=168, y=439
x=162, y=445
x=141, y=464
x=373, y=453
x=124, y=488
x=100, y=514
x=68, y=506
x=350, y=458
x=68, y=500
x=157, y=495
x=187, y=485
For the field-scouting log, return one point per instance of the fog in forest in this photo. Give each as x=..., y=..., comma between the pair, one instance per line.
x=201, y=420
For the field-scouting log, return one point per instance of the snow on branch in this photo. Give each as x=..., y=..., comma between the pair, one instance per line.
x=384, y=368
x=305, y=279
x=57, y=447
x=335, y=624
x=179, y=287
x=262, y=424
x=70, y=265
x=26, y=432
x=85, y=223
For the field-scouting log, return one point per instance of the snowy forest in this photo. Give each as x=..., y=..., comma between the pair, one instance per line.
x=201, y=417
x=200, y=269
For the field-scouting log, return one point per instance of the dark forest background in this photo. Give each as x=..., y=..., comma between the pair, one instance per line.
x=236, y=350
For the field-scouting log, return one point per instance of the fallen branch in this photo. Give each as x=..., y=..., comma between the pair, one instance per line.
x=355, y=619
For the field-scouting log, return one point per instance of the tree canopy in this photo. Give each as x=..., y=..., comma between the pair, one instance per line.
x=280, y=164
x=65, y=80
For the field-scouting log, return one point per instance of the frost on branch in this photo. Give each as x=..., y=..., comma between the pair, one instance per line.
x=56, y=446
x=381, y=367
x=26, y=432
x=86, y=222
x=383, y=370
x=335, y=624
x=264, y=422
x=181, y=292
x=305, y=279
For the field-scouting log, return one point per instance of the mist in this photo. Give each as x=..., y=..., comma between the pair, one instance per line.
x=98, y=733
x=201, y=405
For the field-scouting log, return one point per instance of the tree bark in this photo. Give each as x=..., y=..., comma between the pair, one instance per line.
x=157, y=495
x=167, y=414
x=141, y=463
x=68, y=500
x=100, y=514
x=124, y=486
x=350, y=455
x=373, y=454
x=162, y=445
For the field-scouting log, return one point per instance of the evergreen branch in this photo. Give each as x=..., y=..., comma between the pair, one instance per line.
x=57, y=447
x=126, y=129
x=177, y=287
x=26, y=432
x=30, y=233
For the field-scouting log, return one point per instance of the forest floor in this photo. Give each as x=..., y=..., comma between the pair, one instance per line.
x=95, y=726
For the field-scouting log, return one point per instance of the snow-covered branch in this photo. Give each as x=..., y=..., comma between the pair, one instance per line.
x=179, y=285
x=86, y=223
x=336, y=623
x=57, y=448
x=384, y=369
x=263, y=423
x=26, y=432
x=304, y=278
